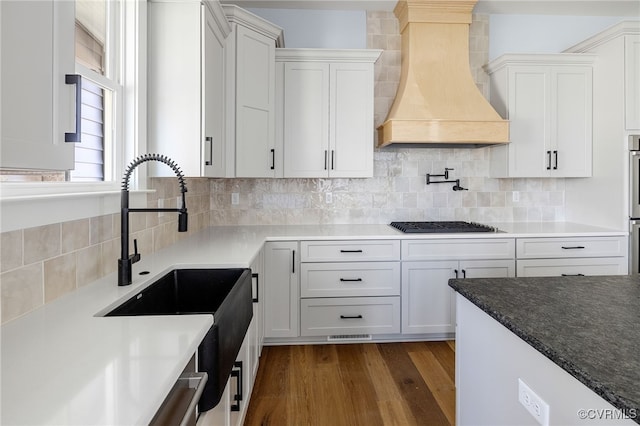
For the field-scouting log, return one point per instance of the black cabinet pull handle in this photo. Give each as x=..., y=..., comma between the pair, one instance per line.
x=572, y=275
x=555, y=164
x=209, y=162
x=350, y=316
x=350, y=251
x=326, y=158
x=77, y=80
x=572, y=247
x=237, y=374
x=273, y=159
x=333, y=152
x=257, y=277
x=464, y=274
x=456, y=271
x=293, y=261
x=548, y=160
x=351, y=280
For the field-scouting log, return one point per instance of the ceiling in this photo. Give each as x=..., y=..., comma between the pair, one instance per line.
x=629, y=8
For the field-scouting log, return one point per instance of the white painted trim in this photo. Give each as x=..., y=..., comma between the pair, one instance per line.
x=22, y=212
x=324, y=55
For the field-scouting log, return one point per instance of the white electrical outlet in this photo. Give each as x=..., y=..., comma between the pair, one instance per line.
x=533, y=403
x=516, y=196
x=235, y=198
x=328, y=198
x=179, y=202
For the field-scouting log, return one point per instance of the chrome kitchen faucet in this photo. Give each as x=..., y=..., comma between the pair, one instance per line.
x=126, y=261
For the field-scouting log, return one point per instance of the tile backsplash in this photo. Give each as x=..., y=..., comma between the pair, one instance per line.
x=40, y=264
x=398, y=190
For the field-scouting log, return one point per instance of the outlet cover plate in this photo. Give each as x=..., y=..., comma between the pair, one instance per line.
x=535, y=405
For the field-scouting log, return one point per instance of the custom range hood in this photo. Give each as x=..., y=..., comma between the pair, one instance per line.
x=437, y=100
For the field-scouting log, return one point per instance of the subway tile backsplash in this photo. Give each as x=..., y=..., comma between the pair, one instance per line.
x=38, y=265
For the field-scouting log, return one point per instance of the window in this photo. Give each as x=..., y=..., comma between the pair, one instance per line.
x=98, y=53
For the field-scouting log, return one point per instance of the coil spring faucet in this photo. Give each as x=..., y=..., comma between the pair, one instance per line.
x=126, y=261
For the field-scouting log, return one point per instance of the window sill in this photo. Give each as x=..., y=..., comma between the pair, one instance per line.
x=44, y=204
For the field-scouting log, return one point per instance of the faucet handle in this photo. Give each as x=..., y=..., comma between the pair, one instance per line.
x=135, y=256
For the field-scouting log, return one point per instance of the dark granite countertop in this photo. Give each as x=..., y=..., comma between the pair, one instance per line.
x=589, y=326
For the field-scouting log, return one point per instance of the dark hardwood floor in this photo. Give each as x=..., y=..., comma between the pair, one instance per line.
x=355, y=384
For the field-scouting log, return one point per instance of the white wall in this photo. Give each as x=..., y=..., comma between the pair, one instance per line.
x=309, y=28
x=542, y=33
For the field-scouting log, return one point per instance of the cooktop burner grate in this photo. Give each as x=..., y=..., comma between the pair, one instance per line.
x=441, y=227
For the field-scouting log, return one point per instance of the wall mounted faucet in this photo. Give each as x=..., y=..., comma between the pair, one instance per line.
x=445, y=175
x=126, y=261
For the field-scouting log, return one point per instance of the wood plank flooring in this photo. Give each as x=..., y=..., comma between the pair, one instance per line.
x=355, y=384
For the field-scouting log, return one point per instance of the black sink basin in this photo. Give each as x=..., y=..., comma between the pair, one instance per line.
x=225, y=293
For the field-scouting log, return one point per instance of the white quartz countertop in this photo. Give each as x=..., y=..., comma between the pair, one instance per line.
x=65, y=364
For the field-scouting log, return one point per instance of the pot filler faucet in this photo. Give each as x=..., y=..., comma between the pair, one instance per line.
x=126, y=260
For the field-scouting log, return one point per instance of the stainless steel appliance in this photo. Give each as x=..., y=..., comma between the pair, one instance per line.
x=442, y=227
x=634, y=204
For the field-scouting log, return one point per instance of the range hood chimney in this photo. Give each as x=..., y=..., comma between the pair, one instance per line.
x=437, y=100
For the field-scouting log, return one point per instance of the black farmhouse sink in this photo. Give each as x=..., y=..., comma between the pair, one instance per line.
x=225, y=293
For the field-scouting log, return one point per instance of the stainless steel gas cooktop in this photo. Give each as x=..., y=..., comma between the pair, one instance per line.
x=441, y=227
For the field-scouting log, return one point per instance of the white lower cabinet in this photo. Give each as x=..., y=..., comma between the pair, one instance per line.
x=349, y=288
x=281, y=289
x=540, y=257
x=428, y=303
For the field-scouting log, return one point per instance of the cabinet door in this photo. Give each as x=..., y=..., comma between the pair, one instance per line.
x=571, y=122
x=306, y=119
x=213, y=154
x=281, y=289
x=255, y=104
x=427, y=299
x=528, y=115
x=487, y=268
x=632, y=83
x=37, y=106
x=351, y=121
x=258, y=307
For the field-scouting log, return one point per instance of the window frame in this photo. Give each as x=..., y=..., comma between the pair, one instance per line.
x=18, y=200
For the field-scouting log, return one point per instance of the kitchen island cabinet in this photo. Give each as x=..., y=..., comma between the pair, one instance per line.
x=572, y=341
x=548, y=102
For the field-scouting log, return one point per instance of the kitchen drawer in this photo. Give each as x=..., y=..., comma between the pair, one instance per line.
x=576, y=266
x=540, y=248
x=350, y=279
x=465, y=248
x=349, y=251
x=359, y=315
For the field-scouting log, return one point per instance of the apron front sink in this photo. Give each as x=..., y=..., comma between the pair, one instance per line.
x=224, y=293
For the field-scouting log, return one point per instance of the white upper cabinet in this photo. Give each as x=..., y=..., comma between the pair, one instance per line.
x=250, y=86
x=326, y=107
x=548, y=101
x=38, y=107
x=632, y=81
x=186, y=86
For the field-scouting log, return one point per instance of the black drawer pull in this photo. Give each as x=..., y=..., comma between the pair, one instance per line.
x=350, y=316
x=257, y=277
x=572, y=247
x=573, y=275
x=350, y=251
x=350, y=280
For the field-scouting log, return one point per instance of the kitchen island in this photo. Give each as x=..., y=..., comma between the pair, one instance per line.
x=574, y=341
